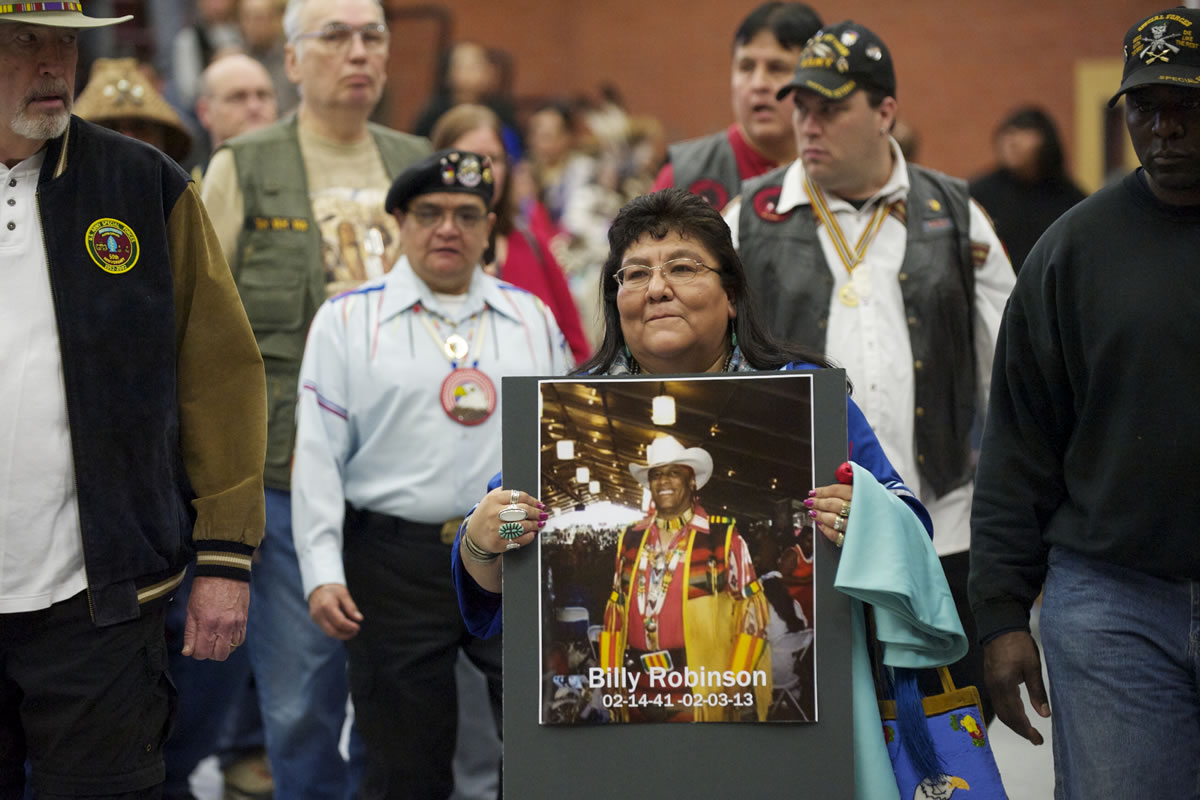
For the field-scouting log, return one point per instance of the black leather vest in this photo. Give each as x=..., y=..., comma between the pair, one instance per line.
x=707, y=167
x=787, y=271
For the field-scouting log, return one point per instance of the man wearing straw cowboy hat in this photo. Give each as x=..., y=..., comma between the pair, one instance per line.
x=118, y=95
x=136, y=430
x=679, y=557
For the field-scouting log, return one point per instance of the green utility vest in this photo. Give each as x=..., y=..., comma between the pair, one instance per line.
x=278, y=267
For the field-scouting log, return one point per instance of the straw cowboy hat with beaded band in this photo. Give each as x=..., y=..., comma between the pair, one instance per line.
x=118, y=90
x=59, y=15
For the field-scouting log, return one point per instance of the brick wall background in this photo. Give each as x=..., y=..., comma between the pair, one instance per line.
x=961, y=65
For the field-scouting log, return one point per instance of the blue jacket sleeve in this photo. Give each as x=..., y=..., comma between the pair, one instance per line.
x=481, y=610
x=866, y=451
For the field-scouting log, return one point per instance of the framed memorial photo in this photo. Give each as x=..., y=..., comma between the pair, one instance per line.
x=677, y=581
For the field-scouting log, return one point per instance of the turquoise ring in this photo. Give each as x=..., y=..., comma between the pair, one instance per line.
x=512, y=530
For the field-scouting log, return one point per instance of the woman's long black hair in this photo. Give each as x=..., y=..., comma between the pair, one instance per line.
x=677, y=211
x=1051, y=164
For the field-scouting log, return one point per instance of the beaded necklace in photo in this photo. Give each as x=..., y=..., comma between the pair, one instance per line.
x=655, y=573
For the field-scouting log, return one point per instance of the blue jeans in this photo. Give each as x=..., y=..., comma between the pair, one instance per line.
x=1124, y=668
x=218, y=708
x=300, y=673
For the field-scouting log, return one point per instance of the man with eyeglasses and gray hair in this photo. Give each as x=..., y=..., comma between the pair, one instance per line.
x=398, y=426
x=298, y=209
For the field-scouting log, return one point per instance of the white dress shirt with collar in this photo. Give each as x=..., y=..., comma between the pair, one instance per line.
x=41, y=549
x=371, y=427
x=871, y=340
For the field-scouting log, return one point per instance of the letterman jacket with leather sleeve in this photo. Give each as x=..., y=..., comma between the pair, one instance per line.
x=164, y=384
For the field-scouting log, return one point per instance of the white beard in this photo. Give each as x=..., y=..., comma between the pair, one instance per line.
x=40, y=127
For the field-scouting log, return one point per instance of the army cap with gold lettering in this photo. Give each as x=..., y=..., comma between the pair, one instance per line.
x=841, y=59
x=1163, y=49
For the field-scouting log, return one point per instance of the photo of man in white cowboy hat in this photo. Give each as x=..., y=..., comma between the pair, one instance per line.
x=687, y=617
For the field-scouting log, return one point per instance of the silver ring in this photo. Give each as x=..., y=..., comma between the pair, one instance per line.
x=512, y=546
x=841, y=539
x=512, y=513
x=511, y=530
x=514, y=496
x=839, y=523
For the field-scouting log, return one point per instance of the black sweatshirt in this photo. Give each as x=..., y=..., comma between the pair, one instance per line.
x=1093, y=429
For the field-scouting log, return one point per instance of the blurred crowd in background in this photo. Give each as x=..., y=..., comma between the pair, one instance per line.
x=572, y=161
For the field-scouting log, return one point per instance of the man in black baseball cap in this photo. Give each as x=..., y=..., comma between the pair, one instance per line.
x=882, y=263
x=1161, y=50
x=1091, y=434
x=841, y=59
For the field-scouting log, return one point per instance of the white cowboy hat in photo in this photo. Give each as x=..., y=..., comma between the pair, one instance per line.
x=56, y=14
x=667, y=450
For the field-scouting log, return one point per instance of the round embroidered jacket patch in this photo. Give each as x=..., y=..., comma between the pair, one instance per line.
x=112, y=245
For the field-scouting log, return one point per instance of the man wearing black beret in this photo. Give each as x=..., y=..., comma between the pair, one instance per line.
x=398, y=428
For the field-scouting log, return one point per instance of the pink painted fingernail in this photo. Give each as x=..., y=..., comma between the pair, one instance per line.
x=544, y=516
x=813, y=514
x=809, y=502
x=541, y=524
x=812, y=492
x=542, y=506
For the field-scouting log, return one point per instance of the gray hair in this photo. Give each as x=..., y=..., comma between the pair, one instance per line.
x=291, y=17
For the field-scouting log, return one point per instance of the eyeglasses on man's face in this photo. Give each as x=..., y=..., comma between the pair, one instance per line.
x=465, y=218
x=676, y=271
x=336, y=36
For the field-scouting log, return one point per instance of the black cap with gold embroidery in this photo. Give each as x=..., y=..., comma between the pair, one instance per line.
x=1162, y=49
x=841, y=59
x=444, y=171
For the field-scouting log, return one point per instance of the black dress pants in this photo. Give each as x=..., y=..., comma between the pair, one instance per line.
x=88, y=706
x=402, y=660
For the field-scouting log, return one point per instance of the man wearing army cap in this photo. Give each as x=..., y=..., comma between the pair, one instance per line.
x=890, y=269
x=1085, y=488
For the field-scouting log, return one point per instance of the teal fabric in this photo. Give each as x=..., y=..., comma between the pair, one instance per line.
x=888, y=561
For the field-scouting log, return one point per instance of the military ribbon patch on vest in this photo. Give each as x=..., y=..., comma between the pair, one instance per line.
x=299, y=224
x=112, y=245
x=710, y=190
x=764, y=203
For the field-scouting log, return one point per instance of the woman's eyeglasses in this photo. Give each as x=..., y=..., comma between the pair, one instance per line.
x=675, y=271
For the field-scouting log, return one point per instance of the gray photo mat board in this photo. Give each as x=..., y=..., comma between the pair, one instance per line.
x=584, y=762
